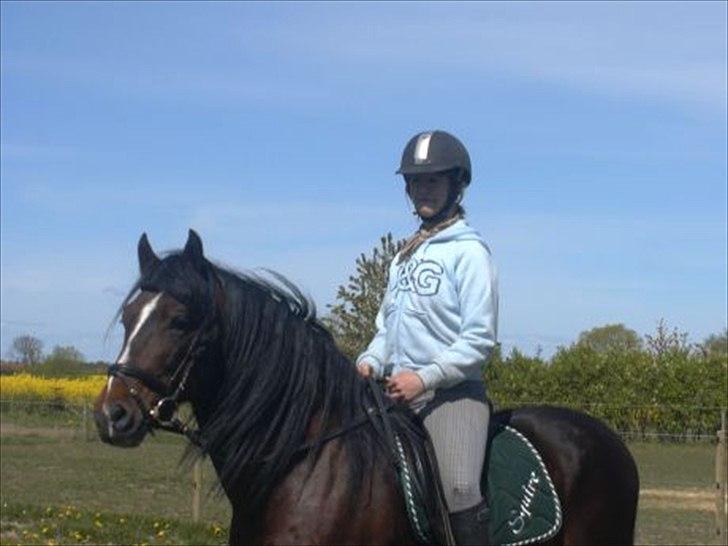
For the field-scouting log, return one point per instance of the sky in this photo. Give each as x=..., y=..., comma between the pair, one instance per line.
x=597, y=132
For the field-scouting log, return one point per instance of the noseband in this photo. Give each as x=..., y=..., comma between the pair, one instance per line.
x=163, y=414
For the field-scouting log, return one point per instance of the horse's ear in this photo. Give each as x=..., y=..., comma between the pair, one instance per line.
x=148, y=260
x=193, y=248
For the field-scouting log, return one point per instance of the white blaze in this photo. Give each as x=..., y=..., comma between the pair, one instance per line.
x=143, y=316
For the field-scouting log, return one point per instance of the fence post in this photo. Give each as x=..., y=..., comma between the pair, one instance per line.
x=84, y=425
x=196, y=488
x=721, y=494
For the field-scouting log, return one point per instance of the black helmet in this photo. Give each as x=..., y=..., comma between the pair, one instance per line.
x=435, y=151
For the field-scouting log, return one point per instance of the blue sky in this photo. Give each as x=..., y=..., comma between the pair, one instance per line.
x=597, y=133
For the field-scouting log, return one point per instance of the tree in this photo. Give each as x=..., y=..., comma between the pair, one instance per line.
x=64, y=361
x=27, y=349
x=667, y=342
x=67, y=353
x=610, y=338
x=715, y=344
x=352, y=317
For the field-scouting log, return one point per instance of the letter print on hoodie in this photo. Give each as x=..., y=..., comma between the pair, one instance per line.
x=421, y=276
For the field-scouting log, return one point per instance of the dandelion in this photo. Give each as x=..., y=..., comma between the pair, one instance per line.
x=98, y=524
x=161, y=533
x=122, y=520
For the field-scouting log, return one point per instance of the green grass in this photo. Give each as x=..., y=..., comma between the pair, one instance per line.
x=32, y=524
x=43, y=415
x=674, y=526
x=674, y=466
x=41, y=468
x=96, y=476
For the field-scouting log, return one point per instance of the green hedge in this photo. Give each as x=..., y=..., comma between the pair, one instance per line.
x=633, y=391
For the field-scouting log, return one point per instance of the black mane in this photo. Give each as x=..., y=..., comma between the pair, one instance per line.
x=281, y=371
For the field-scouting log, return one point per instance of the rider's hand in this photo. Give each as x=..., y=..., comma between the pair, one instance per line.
x=364, y=369
x=405, y=386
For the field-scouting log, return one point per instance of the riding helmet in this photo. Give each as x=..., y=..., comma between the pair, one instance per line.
x=435, y=151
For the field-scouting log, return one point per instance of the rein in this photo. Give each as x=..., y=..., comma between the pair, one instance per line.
x=163, y=414
x=372, y=414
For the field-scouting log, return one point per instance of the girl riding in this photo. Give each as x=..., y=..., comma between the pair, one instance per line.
x=437, y=325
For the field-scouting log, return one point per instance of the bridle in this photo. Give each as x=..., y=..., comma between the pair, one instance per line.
x=163, y=413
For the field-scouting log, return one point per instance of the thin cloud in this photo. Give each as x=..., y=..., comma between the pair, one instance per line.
x=654, y=52
x=658, y=51
x=165, y=82
x=114, y=291
x=35, y=152
x=309, y=220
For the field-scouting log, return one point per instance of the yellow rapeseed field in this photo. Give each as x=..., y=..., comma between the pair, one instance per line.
x=30, y=387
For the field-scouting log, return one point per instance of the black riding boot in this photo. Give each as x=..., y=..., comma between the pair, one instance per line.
x=470, y=526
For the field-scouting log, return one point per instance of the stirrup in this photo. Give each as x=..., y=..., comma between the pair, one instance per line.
x=470, y=526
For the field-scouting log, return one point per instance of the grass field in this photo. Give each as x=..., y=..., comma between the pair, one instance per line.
x=143, y=495
x=67, y=524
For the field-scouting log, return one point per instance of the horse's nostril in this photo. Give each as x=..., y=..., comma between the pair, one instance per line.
x=116, y=412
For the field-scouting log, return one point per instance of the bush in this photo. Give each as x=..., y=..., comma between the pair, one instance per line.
x=677, y=393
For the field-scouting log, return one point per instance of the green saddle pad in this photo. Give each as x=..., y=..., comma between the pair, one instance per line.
x=524, y=505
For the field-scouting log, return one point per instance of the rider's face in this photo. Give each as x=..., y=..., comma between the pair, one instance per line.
x=428, y=193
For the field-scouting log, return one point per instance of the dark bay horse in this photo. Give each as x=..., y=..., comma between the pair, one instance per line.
x=279, y=411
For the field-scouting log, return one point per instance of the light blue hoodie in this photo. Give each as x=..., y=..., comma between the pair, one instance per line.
x=439, y=315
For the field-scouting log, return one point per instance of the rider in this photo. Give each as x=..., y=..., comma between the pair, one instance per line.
x=437, y=325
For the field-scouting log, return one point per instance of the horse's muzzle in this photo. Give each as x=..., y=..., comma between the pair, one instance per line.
x=120, y=426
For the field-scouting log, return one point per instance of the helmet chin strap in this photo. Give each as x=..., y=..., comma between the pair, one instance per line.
x=454, y=197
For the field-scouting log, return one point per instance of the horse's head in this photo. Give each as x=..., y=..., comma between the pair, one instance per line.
x=164, y=318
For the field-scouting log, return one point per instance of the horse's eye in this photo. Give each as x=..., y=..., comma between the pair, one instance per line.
x=180, y=323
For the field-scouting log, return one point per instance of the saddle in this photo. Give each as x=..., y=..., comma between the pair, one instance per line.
x=524, y=504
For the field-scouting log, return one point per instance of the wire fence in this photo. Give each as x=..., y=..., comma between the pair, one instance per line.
x=631, y=421
x=74, y=421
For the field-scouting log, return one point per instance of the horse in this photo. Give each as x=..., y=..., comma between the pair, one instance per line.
x=279, y=413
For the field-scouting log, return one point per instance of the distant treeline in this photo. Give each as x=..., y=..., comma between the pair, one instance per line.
x=656, y=385
x=54, y=368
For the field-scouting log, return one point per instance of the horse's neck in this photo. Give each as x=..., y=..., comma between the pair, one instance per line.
x=203, y=410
